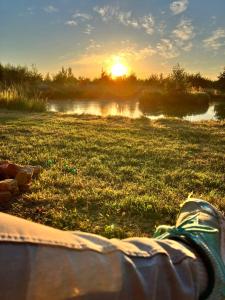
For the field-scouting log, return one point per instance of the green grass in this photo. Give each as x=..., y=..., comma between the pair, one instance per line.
x=131, y=174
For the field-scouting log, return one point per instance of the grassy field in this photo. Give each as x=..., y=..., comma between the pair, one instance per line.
x=114, y=176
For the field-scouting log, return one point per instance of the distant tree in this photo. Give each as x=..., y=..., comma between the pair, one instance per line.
x=198, y=81
x=64, y=76
x=70, y=77
x=1, y=73
x=177, y=81
x=83, y=80
x=11, y=75
x=105, y=77
x=47, y=78
x=155, y=80
x=132, y=78
x=61, y=76
x=221, y=80
x=33, y=74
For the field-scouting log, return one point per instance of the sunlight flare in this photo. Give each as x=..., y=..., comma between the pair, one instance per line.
x=119, y=70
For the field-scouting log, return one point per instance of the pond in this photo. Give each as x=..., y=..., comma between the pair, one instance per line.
x=132, y=109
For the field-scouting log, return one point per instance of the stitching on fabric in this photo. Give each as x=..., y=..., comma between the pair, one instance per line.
x=77, y=246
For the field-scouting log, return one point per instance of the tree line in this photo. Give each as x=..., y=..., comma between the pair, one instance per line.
x=10, y=74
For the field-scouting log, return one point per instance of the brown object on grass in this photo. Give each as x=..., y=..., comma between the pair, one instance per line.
x=24, y=176
x=12, y=170
x=9, y=185
x=2, y=162
x=3, y=168
x=15, y=179
x=5, y=196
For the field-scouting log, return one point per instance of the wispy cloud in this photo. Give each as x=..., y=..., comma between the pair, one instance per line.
x=184, y=45
x=93, y=45
x=109, y=13
x=183, y=35
x=184, y=30
x=187, y=47
x=83, y=16
x=106, y=12
x=147, y=22
x=216, y=40
x=161, y=27
x=71, y=23
x=126, y=18
x=78, y=18
x=177, y=7
x=89, y=28
x=133, y=52
x=50, y=9
x=167, y=49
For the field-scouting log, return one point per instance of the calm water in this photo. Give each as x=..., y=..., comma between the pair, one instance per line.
x=214, y=111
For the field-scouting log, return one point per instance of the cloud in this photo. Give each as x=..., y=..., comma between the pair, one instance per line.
x=106, y=12
x=83, y=16
x=78, y=18
x=93, y=45
x=147, y=22
x=216, y=40
x=187, y=47
x=182, y=35
x=89, y=29
x=109, y=13
x=161, y=27
x=184, y=45
x=50, y=9
x=71, y=23
x=184, y=30
x=126, y=19
x=134, y=53
x=167, y=49
x=177, y=7
x=96, y=54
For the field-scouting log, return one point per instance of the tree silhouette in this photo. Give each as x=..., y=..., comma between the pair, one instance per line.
x=177, y=81
x=221, y=80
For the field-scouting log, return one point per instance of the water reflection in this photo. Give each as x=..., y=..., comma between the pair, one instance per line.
x=99, y=108
x=130, y=109
x=174, y=110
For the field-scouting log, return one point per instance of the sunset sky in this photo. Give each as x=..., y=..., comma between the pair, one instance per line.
x=148, y=36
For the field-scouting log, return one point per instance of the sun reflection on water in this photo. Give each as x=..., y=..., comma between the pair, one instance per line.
x=98, y=108
x=126, y=109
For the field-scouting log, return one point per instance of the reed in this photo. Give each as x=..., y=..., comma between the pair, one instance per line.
x=21, y=98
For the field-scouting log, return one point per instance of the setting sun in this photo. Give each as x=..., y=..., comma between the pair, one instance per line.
x=118, y=70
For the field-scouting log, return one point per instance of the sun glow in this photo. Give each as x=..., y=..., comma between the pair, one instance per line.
x=119, y=69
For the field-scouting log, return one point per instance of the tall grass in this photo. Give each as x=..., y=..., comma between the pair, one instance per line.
x=21, y=98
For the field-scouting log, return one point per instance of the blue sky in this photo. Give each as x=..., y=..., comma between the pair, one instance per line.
x=149, y=36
